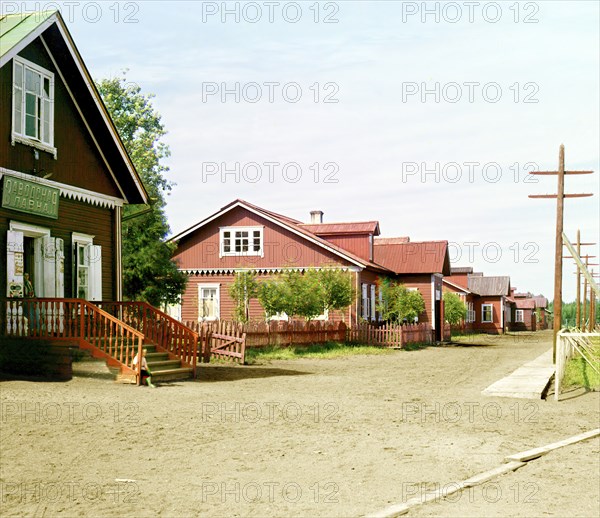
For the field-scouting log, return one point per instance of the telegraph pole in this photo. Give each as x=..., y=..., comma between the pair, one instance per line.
x=558, y=262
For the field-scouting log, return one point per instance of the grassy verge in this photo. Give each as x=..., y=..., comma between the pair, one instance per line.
x=580, y=374
x=327, y=350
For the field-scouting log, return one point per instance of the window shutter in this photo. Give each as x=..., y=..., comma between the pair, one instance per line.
x=372, y=302
x=14, y=264
x=95, y=270
x=60, y=268
x=49, y=265
x=364, y=301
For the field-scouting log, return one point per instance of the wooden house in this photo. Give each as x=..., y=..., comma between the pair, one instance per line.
x=242, y=236
x=65, y=176
x=489, y=308
x=64, y=172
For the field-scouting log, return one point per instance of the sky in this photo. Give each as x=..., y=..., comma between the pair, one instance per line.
x=425, y=116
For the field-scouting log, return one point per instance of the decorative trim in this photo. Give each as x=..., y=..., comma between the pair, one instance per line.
x=228, y=271
x=69, y=191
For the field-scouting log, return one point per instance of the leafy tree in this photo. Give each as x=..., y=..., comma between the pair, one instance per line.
x=244, y=288
x=148, y=272
x=398, y=303
x=336, y=288
x=294, y=294
x=455, y=309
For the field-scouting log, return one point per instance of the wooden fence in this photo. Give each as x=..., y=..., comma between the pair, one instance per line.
x=222, y=334
x=390, y=335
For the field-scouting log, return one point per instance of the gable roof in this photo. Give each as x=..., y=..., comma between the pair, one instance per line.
x=19, y=30
x=540, y=301
x=461, y=269
x=525, y=303
x=290, y=224
x=359, y=227
x=455, y=286
x=392, y=240
x=413, y=257
x=489, y=286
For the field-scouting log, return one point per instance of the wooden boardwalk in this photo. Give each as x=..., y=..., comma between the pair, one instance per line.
x=529, y=381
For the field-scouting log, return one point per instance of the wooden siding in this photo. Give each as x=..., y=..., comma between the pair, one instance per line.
x=358, y=244
x=282, y=248
x=73, y=216
x=78, y=162
x=494, y=327
x=423, y=284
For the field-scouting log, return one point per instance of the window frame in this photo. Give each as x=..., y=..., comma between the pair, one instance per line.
x=22, y=137
x=232, y=245
x=491, y=306
x=213, y=286
x=520, y=312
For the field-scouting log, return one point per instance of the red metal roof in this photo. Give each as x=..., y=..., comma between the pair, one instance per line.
x=525, y=303
x=358, y=227
x=414, y=257
x=392, y=240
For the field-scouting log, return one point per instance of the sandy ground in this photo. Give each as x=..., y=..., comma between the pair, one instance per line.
x=341, y=437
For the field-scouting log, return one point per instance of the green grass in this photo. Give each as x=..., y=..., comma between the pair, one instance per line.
x=580, y=374
x=323, y=351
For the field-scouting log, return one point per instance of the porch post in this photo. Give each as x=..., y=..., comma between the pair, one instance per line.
x=118, y=259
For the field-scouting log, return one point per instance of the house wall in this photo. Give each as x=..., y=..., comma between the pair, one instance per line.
x=73, y=216
x=358, y=244
x=529, y=321
x=494, y=327
x=78, y=161
x=461, y=279
x=464, y=326
x=423, y=283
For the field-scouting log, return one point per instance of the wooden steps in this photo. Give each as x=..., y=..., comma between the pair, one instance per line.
x=163, y=368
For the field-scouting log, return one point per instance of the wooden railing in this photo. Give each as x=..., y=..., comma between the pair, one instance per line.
x=74, y=320
x=165, y=332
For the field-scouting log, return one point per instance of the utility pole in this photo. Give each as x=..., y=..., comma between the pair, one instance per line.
x=558, y=262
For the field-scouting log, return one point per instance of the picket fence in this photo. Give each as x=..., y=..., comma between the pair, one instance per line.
x=282, y=334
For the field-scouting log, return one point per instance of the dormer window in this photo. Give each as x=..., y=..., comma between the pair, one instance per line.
x=241, y=241
x=33, y=105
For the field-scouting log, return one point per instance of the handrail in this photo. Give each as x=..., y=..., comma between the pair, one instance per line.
x=166, y=332
x=73, y=319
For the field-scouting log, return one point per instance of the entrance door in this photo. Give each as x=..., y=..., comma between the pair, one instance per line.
x=438, y=321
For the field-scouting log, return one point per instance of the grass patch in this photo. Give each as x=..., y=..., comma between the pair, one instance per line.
x=578, y=373
x=326, y=350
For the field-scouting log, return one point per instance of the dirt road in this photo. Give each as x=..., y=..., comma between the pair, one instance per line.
x=341, y=437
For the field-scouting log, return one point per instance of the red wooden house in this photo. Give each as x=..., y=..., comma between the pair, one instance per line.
x=487, y=298
x=65, y=176
x=242, y=236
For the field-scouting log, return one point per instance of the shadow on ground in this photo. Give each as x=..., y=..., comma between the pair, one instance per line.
x=224, y=373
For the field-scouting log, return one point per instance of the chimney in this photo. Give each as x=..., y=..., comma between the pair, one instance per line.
x=316, y=216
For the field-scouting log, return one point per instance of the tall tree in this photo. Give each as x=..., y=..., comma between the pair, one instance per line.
x=148, y=272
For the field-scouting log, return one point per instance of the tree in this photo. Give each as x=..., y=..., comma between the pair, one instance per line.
x=294, y=294
x=455, y=310
x=243, y=289
x=336, y=288
x=148, y=272
x=398, y=303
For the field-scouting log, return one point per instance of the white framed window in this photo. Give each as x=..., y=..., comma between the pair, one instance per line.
x=87, y=267
x=33, y=105
x=238, y=241
x=372, y=303
x=470, y=312
x=519, y=315
x=209, y=301
x=487, y=313
x=365, y=301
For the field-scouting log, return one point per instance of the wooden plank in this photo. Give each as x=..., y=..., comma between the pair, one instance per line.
x=542, y=450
